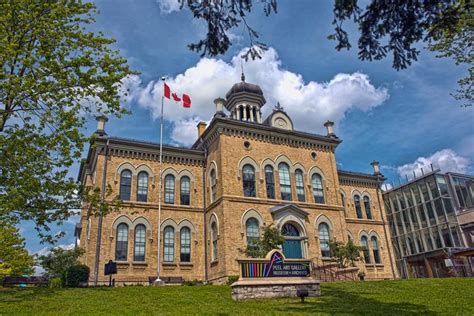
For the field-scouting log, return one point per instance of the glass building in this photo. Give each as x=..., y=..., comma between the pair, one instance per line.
x=432, y=226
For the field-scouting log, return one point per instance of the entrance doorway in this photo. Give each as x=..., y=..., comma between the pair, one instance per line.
x=292, y=245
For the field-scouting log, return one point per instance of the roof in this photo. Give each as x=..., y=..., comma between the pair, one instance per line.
x=244, y=87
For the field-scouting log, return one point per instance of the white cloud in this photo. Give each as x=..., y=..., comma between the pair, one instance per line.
x=168, y=6
x=446, y=160
x=308, y=104
x=386, y=186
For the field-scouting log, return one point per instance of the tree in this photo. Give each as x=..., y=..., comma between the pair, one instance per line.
x=57, y=262
x=345, y=254
x=53, y=75
x=389, y=26
x=14, y=258
x=270, y=239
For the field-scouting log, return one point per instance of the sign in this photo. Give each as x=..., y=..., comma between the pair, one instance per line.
x=276, y=266
x=110, y=268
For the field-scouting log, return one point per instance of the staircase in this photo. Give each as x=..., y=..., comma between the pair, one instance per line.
x=330, y=271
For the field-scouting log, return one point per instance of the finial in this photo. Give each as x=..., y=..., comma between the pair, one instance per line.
x=242, y=77
x=278, y=106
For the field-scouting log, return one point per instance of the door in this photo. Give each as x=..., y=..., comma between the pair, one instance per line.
x=292, y=249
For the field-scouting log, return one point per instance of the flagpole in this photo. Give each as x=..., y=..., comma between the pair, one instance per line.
x=158, y=270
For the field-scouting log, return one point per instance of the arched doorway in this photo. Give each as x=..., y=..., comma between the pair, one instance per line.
x=292, y=245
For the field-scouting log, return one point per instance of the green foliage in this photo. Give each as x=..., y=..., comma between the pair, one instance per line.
x=55, y=283
x=14, y=258
x=57, y=262
x=386, y=27
x=270, y=239
x=345, y=254
x=192, y=283
x=53, y=75
x=232, y=278
x=76, y=275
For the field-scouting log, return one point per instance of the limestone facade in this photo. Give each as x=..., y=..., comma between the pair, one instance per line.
x=226, y=176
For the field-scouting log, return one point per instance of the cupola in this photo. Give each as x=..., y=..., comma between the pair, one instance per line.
x=244, y=101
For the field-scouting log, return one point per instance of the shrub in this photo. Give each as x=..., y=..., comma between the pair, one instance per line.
x=76, y=275
x=55, y=283
x=231, y=279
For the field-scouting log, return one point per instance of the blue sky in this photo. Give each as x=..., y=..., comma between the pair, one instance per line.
x=404, y=119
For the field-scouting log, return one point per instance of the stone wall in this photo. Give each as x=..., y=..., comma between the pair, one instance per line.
x=273, y=288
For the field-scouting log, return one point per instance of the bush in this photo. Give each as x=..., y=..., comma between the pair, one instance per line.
x=55, y=283
x=231, y=279
x=76, y=275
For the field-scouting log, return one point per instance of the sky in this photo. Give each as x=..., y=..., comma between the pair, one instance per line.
x=405, y=119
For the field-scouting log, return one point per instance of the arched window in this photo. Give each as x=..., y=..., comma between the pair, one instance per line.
x=142, y=187
x=253, y=232
x=323, y=229
x=213, y=185
x=368, y=212
x=270, y=182
x=140, y=241
x=214, y=240
x=299, y=185
x=248, y=175
x=375, y=249
x=185, y=245
x=365, y=249
x=125, y=185
x=121, y=244
x=343, y=200
x=168, y=244
x=185, y=190
x=169, y=189
x=285, y=184
x=357, y=206
x=318, y=191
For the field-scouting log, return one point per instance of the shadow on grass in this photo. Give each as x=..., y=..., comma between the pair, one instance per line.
x=337, y=301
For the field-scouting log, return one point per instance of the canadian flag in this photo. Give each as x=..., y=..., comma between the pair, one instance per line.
x=185, y=99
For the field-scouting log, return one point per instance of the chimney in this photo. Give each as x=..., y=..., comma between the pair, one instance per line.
x=101, y=120
x=375, y=165
x=201, y=128
x=219, y=102
x=330, y=128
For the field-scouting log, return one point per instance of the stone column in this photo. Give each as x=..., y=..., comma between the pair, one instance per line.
x=259, y=117
x=238, y=112
x=245, y=113
x=251, y=113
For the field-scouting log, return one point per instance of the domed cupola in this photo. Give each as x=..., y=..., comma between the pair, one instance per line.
x=244, y=101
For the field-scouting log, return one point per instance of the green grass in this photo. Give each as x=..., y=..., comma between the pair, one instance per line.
x=423, y=296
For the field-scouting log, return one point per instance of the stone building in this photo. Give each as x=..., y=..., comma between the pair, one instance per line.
x=243, y=172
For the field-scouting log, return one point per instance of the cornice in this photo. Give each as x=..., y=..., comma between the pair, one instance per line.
x=264, y=133
x=357, y=178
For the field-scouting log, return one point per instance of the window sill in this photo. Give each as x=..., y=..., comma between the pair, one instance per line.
x=186, y=264
x=169, y=264
x=214, y=262
x=122, y=263
x=139, y=263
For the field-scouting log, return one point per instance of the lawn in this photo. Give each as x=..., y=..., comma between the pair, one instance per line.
x=424, y=296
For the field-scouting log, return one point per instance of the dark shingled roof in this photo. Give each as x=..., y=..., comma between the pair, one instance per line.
x=244, y=87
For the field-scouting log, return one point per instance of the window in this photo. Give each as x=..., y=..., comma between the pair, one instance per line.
x=299, y=185
x=357, y=206
x=285, y=184
x=253, y=232
x=375, y=250
x=125, y=185
x=368, y=212
x=365, y=249
x=168, y=244
x=270, y=182
x=213, y=185
x=323, y=229
x=169, y=189
x=343, y=201
x=214, y=240
x=248, y=175
x=185, y=190
x=140, y=241
x=185, y=240
x=142, y=187
x=318, y=193
x=121, y=245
